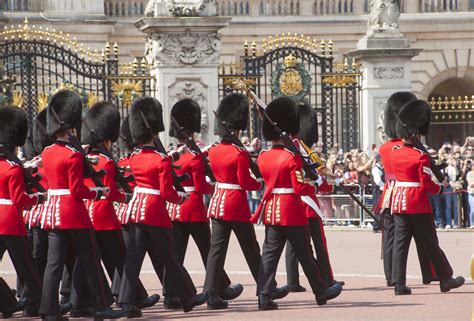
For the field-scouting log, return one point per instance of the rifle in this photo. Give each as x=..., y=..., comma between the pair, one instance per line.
x=160, y=148
x=192, y=145
x=230, y=134
x=89, y=170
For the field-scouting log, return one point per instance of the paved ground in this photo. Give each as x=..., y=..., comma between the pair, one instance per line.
x=355, y=255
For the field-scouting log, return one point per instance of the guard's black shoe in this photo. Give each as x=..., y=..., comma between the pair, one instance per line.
x=280, y=293
x=232, y=292
x=172, y=303
x=109, y=313
x=294, y=288
x=54, y=318
x=266, y=303
x=430, y=280
x=342, y=283
x=195, y=301
x=149, y=302
x=31, y=311
x=452, y=283
x=81, y=313
x=130, y=311
x=19, y=306
x=401, y=289
x=329, y=294
x=65, y=308
x=390, y=284
x=214, y=302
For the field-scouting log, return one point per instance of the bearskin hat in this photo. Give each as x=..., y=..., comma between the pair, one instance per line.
x=188, y=114
x=100, y=123
x=13, y=126
x=394, y=103
x=126, y=141
x=308, y=123
x=234, y=110
x=416, y=117
x=153, y=112
x=40, y=138
x=68, y=106
x=284, y=112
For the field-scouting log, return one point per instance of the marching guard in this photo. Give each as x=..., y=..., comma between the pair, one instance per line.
x=410, y=205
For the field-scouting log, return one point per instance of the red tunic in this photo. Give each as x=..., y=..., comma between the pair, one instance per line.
x=13, y=198
x=192, y=209
x=64, y=168
x=124, y=163
x=153, y=175
x=412, y=170
x=231, y=167
x=32, y=217
x=282, y=171
x=102, y=212
x=385, y=152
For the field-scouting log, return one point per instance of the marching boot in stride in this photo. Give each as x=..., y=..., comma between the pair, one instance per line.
x=190, y=217
x=410, y=203
x=395, y=102
x=229, y=209
x=308, y=134
x=150, y=225
x=101, y=128
x=65, y=215
x=282, y=209
x=13, y=199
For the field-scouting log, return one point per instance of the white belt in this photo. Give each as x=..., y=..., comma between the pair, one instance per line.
x=407, y=184
x=189, y=188
x=228, y=186
x=5, y=201
x=58, y=192
x=283, y=191
x=145, y=190
x=311, y=203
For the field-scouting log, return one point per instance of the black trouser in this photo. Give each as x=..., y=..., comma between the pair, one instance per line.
x=21, y=288
x=388, y=237
x=275, y=239
x=20, y=253
x=158, y=243
x=201, y=234
x=316, y=230
x=7, y=298
x=113, y=251
x=245, y=233
x=87, y=265
x=422, y=228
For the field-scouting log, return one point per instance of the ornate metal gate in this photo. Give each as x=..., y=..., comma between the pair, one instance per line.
x=303, y=69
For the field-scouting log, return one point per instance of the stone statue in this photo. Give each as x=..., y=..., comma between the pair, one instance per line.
x=181, y=8
x=384, y=15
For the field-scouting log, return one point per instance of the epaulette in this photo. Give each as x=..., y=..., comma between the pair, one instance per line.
x=161, y=154
x=289, y=151
x=12, y=163
x=107, y=158
x=71, y=148
x=417, y=149
x=122, y=158
x=396, y=147
x=239, y=147
x=195, y=153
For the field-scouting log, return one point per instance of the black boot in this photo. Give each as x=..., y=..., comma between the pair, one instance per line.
x=131, y=311
x=214, y=302
x=452, y=283
x=172, y=303
x=81, y=312
x=231, y=292
x=54, y=318
x=266, y=303
x=109, y=313
x=294, y=288
x=342, y=283
x=280, y=293
x=65, y=308
x=329, y=294
x=149, y=302
x=390, y=284
x=401, y=289
x=194, y=301
x=19, y=306
x=31, y=311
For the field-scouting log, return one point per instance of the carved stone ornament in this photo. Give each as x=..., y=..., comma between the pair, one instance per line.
x=379, y=107
x=184, y=48
x=384, y=15
x=388, y=72
x=180, y=8
x=195, y=90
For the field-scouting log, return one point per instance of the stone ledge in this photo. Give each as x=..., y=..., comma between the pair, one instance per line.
x=180, y=24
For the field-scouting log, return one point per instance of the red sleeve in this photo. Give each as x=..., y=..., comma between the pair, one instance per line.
x=424, y=171
x=325, y=187
x=76, y=178
x=199, y=178
x=246, y=181
x=109, y=180
x=299, y=185
x=16, y=186
x=168, y=193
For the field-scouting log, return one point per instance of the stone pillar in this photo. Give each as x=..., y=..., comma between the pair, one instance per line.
x=359, y=7
x=185, y=54
x=74, y=7
x=464, y=5
x=386, y=66
x=306, y=8
x=412, y=7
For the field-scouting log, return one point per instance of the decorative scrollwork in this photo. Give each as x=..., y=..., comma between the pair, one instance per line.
x=127, y=91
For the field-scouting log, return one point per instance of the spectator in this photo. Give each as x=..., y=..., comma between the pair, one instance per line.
x=470, y=192
x=450, y=193
x=378, y=183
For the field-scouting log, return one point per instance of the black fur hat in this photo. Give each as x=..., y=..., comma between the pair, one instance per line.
x=126, y=140
x=188, y=114
x=68, y=106
x=394, y=104
x=416, y=116
x=153, y=112
x=284, y=112
x=101, y=122
x=13, y=126
x=234, y=110
x=40, y=138
x=308, y=123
